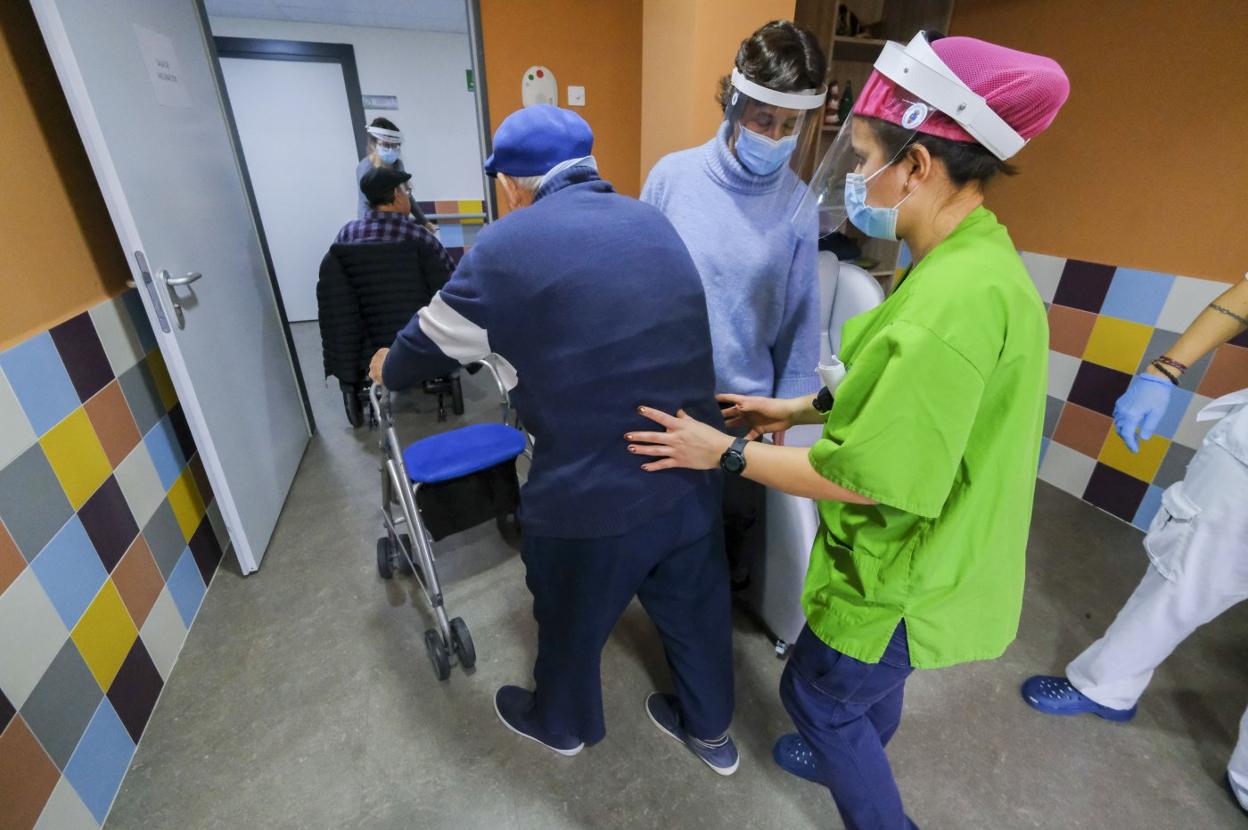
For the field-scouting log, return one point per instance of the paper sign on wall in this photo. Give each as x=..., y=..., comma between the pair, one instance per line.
x=163, y=68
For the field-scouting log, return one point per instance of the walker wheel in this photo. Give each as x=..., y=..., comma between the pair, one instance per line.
x=385, y=558
x=438, y=655
x=461, y=640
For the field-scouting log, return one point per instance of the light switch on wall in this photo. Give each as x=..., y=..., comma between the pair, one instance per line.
x=576, y=96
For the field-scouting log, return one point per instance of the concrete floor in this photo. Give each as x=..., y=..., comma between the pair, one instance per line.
x=303, y=697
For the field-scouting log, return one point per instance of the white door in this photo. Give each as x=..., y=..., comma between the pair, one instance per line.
x=294, y=123
x=144, y=96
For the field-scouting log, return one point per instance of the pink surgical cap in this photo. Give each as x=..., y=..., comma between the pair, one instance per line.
x=1026, y=90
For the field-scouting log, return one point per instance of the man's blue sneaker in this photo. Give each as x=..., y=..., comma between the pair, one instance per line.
x=720, y=755
x=793, y=755
x=514, y=707
x=1056, y=696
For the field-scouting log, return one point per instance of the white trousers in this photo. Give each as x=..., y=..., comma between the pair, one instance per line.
x=1198, y=547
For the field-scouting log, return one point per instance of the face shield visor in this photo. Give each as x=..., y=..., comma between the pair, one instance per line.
x=770, y=130
x=386, y=143
x=917, y=87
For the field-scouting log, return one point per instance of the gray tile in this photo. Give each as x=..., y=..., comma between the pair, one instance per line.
x=139, y=387
x=218, y=524
x=117, y=335
x=1174, y=466
x=61, y=706
x=65, y=810
x=140, y=483
x=32, y=636
x=32, y=502
x=16, y=433
x=163, y=633
x=1052, y=412
x=164, y=537
x=1160, y=343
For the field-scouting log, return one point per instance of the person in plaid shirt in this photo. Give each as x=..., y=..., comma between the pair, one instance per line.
x=389, y=217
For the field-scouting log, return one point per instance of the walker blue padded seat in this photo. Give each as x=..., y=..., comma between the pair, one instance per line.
x=461, y=452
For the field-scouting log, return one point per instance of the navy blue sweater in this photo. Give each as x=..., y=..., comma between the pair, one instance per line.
x=594, y=301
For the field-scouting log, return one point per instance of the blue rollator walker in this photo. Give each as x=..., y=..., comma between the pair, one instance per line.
x=476, y=450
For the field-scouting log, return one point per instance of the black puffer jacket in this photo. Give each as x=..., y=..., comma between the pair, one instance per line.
x=365, y=294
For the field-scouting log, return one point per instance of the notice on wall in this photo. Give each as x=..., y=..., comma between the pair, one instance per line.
x=163, y=68
x=380, y=102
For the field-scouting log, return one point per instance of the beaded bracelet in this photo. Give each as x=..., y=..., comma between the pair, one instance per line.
x=1239, y=318
x=1161, y=367
x=1172, y=363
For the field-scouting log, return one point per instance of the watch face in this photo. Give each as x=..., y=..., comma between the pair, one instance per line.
x=733, y=462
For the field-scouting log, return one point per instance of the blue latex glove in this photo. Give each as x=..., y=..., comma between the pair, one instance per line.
x=1141, y=407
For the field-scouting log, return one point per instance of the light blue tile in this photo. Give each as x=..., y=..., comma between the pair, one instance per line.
x=100, y=761
x=1148, y=508
x=162, y=445
x=1137, y=295
x=138, y=316
x=1180, y=399
x=451, y=236
x=70, y=571
x=39, y=380
x=1044, y=446
x=186, y=587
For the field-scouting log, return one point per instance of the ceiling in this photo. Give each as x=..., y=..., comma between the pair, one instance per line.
x=427, y=15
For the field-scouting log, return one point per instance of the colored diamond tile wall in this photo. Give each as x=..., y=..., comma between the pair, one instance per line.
x=109, y=537
x=456, y=231
x=1105, y=325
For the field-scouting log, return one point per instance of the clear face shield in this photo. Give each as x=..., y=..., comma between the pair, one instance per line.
x=386, y=143
x=921, y=87
x=769, y=130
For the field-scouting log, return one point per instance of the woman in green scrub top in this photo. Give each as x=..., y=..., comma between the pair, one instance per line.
x=926, y=469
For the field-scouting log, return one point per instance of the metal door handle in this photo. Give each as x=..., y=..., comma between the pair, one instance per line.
x=170, y=284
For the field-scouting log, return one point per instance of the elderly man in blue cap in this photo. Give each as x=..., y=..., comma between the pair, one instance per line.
x=591, y=304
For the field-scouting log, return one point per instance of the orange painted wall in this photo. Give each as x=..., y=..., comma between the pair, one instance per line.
x=688, y=46
x=60, y=253
x=1144, y=166
x=590, y=43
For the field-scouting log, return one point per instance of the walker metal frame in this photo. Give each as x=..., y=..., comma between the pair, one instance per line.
x=412, y=551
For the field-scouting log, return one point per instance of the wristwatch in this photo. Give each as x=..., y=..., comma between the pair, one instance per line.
x=733, y=459
x=823, y=401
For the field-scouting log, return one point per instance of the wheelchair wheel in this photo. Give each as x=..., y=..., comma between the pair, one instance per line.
x=457, y=396
x=385, y=558
x=461, y=640
x=438, y=654
x=355, y=408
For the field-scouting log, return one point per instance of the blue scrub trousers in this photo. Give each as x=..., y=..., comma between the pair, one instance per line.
x=675, y=565
x=847, y=711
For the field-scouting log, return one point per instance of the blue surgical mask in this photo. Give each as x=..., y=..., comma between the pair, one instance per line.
x=877, y=222
x=388, y=154
x=762, y=155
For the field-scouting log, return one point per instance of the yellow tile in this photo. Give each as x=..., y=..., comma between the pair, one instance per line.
x=471, y=206
x=1118, y=344
x=105, y=634
x=187, y=504
x=164, y=383
x=76, y=456
x=1144, y=464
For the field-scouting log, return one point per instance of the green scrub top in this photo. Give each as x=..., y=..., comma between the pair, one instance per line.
x=939, y=419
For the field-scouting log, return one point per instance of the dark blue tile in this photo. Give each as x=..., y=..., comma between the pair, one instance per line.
x=206, y=550
x=1115, y=492
x=182, y=430
x=109, y=523
x=83, y=355
x=134, y=691
x=1084, y=285
x=6, y=712
x=1098, y=387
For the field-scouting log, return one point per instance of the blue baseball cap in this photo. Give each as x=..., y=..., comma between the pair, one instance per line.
x=532, y=140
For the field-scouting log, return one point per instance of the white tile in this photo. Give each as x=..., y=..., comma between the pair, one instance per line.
x=1046, y=272
x=1062, y=371
x=31, y=633
x=163, y=633
x=16, y=434
x=140, y=483
x=1187, y=299
x=117, y=335
x=65, y=810
x=1191, y=433
x=1067, y=469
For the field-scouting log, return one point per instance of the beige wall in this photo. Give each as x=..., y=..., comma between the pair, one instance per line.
x=61, y=255
x=590, y=43
x=1145, y=165
x=688, y=46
